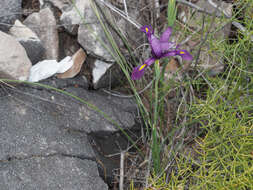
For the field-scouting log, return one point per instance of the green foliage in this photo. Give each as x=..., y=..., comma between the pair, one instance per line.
x=220, y=155
x=171, y=12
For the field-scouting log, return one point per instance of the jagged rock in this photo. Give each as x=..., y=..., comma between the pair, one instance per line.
x=105, y=74
x=88, y=35
x=10, y=11
x=71, y=18
x=44, y=25
x=14, y=63
x=98, y=72
x=29, y=40
x=60, y=4
x=52, y=172
x=88, y=41
x=78, y=59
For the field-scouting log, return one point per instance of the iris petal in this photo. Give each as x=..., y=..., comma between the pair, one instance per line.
x=165, y=46
x=155, y=46
x=166, y=35
x=184, y=54
x=147, y=30
x=169, y=53
x=138, y=71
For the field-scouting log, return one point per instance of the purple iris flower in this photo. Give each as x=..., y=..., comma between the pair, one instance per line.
x=160, y=48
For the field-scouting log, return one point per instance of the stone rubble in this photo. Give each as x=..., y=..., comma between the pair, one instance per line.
x=29, y=40
x=43, y=24
x=14, y=62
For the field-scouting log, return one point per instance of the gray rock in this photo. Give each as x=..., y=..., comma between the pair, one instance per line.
x=44, y=109
x=106, y=74
x=29, y=40
x=10, y=10
x=34, y=49
x=31, y=130
x=92, y=36
x=71, y=17
x=53, y=172
x=61, y=4
x=87, y=39
x=44, y=25
x=14, y=63
x=43, y=134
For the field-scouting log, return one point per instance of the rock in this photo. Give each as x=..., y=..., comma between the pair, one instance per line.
x=29, y=40
x=71, y=18
x=88, y=35
x=98, y=72
x=54, y=172
x=61, y=4
x=79, y=81
x=88, y=41
x=14, y=63
x=65, y=112
x=48, y=68
x=45, y=125
x=10, y=11
x=44, y=25
x=106, y=74
x=78, y=59
x=35, y=128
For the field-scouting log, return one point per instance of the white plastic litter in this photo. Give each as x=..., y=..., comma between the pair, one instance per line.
x=47, y=68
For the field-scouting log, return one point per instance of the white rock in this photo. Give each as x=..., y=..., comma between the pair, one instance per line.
x=48, y=68
x=14, y=63
x=99, y=70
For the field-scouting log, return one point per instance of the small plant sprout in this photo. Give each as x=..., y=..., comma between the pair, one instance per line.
x=160, y=48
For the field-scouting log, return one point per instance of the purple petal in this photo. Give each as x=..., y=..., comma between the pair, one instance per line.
x=155, y=46
x=166, y=35
x=184, y=54
x=169, y=53
x=138, y=71
x=165, y=46
x=147, y=30
x=150, y=61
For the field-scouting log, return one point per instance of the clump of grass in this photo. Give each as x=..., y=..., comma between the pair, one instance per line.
x=219, y=155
